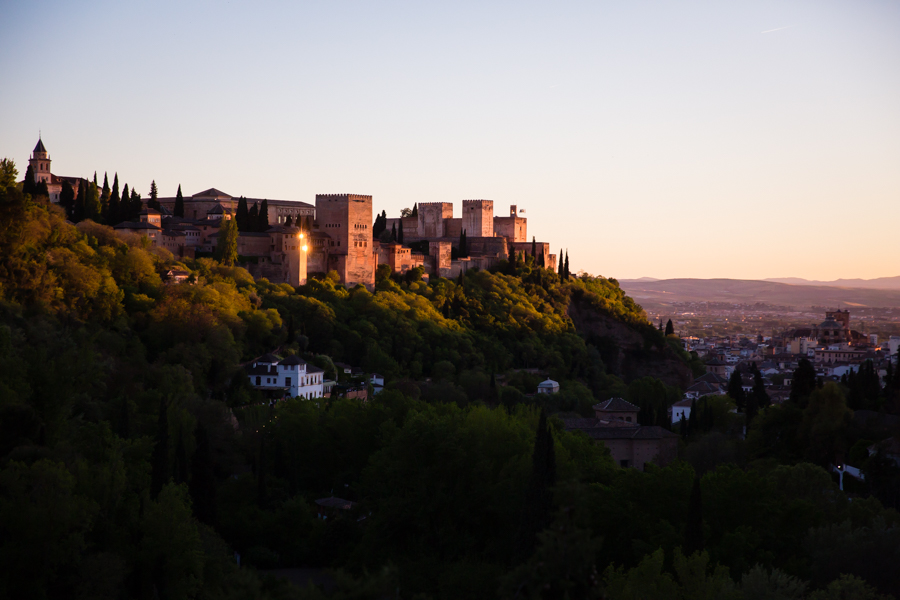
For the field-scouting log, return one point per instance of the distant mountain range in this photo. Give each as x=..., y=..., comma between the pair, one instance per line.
x=807, y=293
x=881, y=283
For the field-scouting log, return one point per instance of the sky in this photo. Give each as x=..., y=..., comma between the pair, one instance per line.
x=739, y=139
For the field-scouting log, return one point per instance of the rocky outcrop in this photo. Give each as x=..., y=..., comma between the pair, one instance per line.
x=625, y=351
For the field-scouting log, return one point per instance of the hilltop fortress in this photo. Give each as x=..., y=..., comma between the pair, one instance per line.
x=336, y=234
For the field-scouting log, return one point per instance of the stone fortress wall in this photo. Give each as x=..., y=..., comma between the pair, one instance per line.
x=340, y=237
x=489, y=238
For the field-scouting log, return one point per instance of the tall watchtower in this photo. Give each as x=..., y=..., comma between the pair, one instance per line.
x=432, y=219
x=40, y=163
x=478, y=218
x=347, y=219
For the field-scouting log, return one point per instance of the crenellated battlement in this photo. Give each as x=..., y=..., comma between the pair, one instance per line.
x=344, y=197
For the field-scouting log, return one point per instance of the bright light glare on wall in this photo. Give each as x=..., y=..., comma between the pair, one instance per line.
x=304, y=247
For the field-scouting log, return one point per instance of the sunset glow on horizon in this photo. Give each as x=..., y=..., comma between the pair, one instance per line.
x=741, y=140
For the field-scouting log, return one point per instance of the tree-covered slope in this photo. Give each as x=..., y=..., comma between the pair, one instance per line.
x=135, y=460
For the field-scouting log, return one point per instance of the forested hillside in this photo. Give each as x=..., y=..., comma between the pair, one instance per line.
x=136, y=461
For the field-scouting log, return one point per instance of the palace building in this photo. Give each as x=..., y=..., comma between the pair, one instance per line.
x=334, y=234
x=40, y=169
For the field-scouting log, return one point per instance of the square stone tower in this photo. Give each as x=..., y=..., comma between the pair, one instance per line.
x=431, y=218
x=478, y=218
x=347, y=219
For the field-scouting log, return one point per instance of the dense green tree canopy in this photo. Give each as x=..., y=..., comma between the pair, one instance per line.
x=135, y=459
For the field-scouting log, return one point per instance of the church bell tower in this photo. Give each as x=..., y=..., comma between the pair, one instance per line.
x=40, y=163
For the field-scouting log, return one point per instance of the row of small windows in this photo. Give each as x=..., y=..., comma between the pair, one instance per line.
x=360, y=226
x=359, y=244
x=287, y=381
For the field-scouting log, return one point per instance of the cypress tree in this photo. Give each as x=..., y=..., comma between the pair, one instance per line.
x=154, y=195
x=67, y=199
x=104, y=201
x=114, y=210
x=28, y=186
x=125, y=204
x=889, y=375
x=137, y=205
x=670, y=328
x=253, y=217
x=533, y=248
x=226, y=248
x=179, y=203
x=415, y=210
x=566, y=270
x=41, y=191
x=78, y=210
x=203, y=481
x=759, y=388
x=92, y=208
x=560, y=265
x=513, y=261
x=95, y=177
x=393, y=232
x=462, y=244
x=736, y=389
x=243, y=215
x=159, y=464
x=400, y=232
x=692, y=419
x=803, y=383
x=263, y=218
x=693, y=535
x=751, y=410
x=542, y=262
x=288, y=222
x=539, y=497
x=871, y=385
x=377, y=227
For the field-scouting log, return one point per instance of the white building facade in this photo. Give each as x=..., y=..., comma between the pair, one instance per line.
x=292, y=376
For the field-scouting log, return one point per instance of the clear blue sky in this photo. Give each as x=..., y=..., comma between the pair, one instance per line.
x=665, y=139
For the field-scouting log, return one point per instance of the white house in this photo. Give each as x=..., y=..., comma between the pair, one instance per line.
x=548, y=387
x=839, y=370
x=682, y=410
x=291, y=375
x=702, y=388
x=377, y=382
